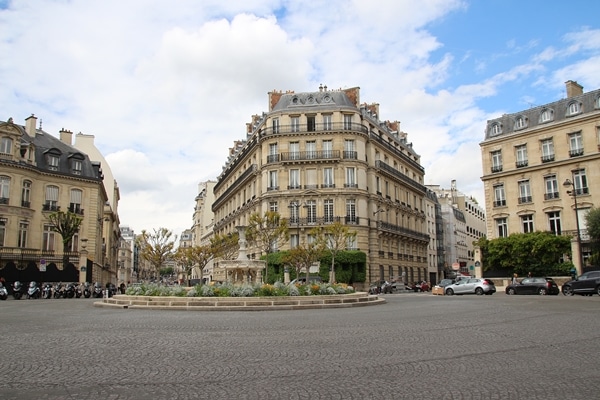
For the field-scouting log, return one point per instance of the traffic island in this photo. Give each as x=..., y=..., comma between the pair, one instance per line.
x=358, y=299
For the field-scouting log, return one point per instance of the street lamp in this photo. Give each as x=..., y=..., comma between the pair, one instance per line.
x=573, y=192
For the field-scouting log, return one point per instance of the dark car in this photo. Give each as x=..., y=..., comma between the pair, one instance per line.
x=533, y=285
x=587, y=283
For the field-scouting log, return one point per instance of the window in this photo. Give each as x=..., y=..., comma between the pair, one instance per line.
x=273, y=181
x=294, y=179
x=273, y=153
x=351, y=243
x=524, y=192
x=547, y=150
x=311, y=211
x=347, y=121
x=350, y=178
x=48, y=238
x=4, y=189
x=520, y=122
x=327, y=122
x=575, y=144
x=311, y=149
x=327, y=149
x=554, y=222
x=275, y=125
x=502, y=227
x=273, y=207
x=51, y=203
x=53, y=162
x=2, y=230
x=527, y=223
x=22, y=238
x=295, y=212
x=74, y=242
x=496, y=161
x=295, y=124
x=496, y=129
x=580, y=182
x=574, y=108
x=547, y=115
x=349, y=150
x=310, y=123
x=328, y=181
x=26, y=194
x=551, y=185
x=521, y=156
x=76, y=166
x=76, y=199
x=6, y=145
x=311, y=179
x=294, y=150
x=328, y=210
x=499, y=196
x=351, y=211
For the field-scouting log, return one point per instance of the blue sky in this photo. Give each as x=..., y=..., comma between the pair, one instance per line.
x=166, y=88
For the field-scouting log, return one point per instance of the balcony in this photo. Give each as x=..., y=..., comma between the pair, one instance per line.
x=294, y=222
x=328, y=186
x=522, y=163
x=499, y=203
x=50, y=207
x=525, y=199
x=576, y=152
x=551, y=196
x=350, y=155
x=548, y=158
x=396, y=229
x=496, y=168
x=3, y=200
x=25, y=204
x=311, y=155
x=76, y=209
x=316, y=127
x=272, y=158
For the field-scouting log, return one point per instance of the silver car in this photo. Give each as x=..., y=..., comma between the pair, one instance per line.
x=477, y=286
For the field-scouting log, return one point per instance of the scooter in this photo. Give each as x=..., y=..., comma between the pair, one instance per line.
x=17, y=290
x=87, y=292
x=58, y=291
x=47, y=291
x=3, y=292
x=34, y=291
x=70, y=291
x=98, y=290
x=78, y=291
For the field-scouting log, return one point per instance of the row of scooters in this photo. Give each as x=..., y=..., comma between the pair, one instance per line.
x=57, y=291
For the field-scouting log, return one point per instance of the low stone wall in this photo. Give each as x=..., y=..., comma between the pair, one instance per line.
x=358, y=299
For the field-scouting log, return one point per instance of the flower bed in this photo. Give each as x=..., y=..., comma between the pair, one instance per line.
x=246, y=290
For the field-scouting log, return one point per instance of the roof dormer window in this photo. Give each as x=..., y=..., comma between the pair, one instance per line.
x=547, y=115
x=574, y=108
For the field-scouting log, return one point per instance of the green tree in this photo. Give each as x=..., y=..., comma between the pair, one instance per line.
x=592, y=220
x=157, y=247
x=67, y=225
x=304, y=255
x=537, y=252
x=194, y=257
x=335, y=239
x=225, y=246
x=267, y=232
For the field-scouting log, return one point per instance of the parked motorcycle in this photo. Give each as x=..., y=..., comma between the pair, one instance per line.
x=34, y=291
x=70, y=291
x=47, y=291
x=78, y=291
x=87, y=290
x=97, y=290
x=17, y=290
x=3, y=292
x=59, y=291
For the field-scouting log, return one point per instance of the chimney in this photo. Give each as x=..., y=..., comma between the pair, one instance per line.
x=66, y=136
x=573, y=89
x=30, y=123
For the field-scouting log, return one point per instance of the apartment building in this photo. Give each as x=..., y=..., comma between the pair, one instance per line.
x=541, y=169
x=320, y=157
x=41, y=174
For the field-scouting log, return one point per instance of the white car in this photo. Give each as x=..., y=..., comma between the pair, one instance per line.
x=477, y=286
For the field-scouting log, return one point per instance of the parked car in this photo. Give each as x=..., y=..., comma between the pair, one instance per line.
x=477, y=286
x=311, y=279
x=587, y=283
x=532, y=285
x=445, y=282
x=380, y=287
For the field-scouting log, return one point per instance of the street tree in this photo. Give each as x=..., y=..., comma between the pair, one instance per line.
x=304, y=255
x=156, y=247
x=194, y=257
x=267, y=232
x=67, y=225
x=335, y=238
x=225, y=246
x=592, y=220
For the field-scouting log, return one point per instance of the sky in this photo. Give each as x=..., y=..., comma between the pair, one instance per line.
x=166, y=88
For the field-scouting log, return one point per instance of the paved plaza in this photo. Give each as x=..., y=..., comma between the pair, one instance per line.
x=416, y=346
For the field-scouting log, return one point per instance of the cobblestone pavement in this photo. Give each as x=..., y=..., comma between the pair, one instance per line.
x=416, y=346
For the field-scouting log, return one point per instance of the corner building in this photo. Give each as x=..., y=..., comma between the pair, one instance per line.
x=321, y=157
x=528, y=157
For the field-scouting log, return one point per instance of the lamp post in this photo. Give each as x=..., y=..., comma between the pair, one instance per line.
x=573, y=192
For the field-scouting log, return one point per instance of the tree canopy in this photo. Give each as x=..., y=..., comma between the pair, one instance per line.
x=157, y=247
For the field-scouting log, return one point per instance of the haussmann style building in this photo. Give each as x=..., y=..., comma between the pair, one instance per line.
x=320, y=157
x=541, y=169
